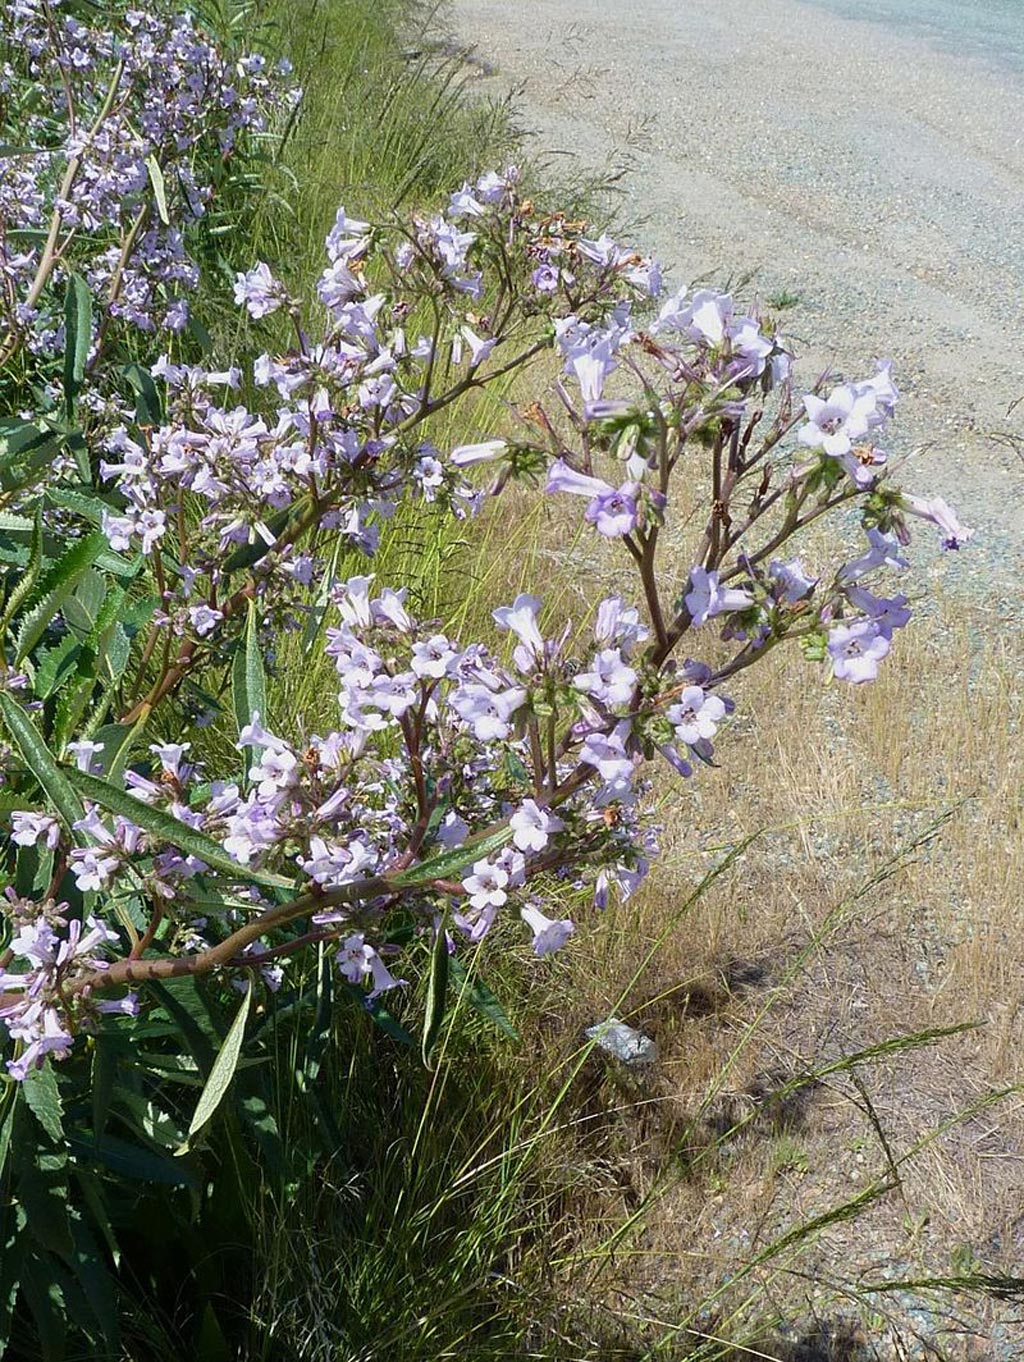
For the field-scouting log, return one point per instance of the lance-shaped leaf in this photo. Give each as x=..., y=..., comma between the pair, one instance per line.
x=77, y=337
x=248, y=680
x=437, y=991
x=167, y=828
x=148, y=410
x=449, y=863
x=221, y=1073
x=156, y=179
x=40, y=760
x=480, y=997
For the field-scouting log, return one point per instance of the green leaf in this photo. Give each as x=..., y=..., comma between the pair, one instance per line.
x=9, y=1107
x=437, y=991
x=148, y=410
x=56, y=667
x=41, y=1188
x=45, y=1300
x=82, y=608
x=248, y=680
x=40, y=762
x=105, y=1064
x=221, y=1074
x=27, y=582
x=480, y=997
x=129, y=1161
x=168, y=828
x=85, y=503
x=95, y=1281
x=448, y=863
x=380, y=1016
x=77, y=337
x=156, y=179
x=118, y=741
x=57, y=584
x=43, y=1099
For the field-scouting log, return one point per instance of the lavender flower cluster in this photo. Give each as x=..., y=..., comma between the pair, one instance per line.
x=435, y=743
x=120, y=125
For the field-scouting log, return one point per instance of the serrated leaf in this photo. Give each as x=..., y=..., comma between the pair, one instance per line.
x=156, y=179
x=437, y=992
x=57, y=584
x=27, y=582
x=45, y=1300
x=94, y=1279
x=89, y=505
x=482, y=1000
x=168, y=828
x=10, y=1106
x=73, y=702
x=82, y=608
x=105, y=1063
x=41, y=1188
x=77, y=337
x=449, y=863
x=248, y=680
x=43, y=1100
x=56, y=667
x=221, y=1074
x=39, y=760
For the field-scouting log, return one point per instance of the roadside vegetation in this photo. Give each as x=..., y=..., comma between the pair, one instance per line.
x=523, y=1194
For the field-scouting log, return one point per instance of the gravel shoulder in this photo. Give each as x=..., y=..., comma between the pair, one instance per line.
x=879, y=181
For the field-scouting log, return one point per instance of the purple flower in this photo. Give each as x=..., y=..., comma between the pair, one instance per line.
x=259, y=291
x=606, y=752
x=696, y=716
x=940, y=513
x=613, y=513
x=488, y=712
x=857, y=649
x=610, y=680
x=548, y=934
x=521, y=618
x=28, y=828
x=465, y=455
x=789, y=580
x=883, y=551
x=486, y=887
x=204, y=619
x=707, y=598
x=357, y=959
x=532, y=826
x=889, y=613
x=836, y=422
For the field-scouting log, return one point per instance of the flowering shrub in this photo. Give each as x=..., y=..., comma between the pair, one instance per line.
x=456, y=783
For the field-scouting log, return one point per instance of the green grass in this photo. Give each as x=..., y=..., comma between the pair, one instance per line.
x=383, y=121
